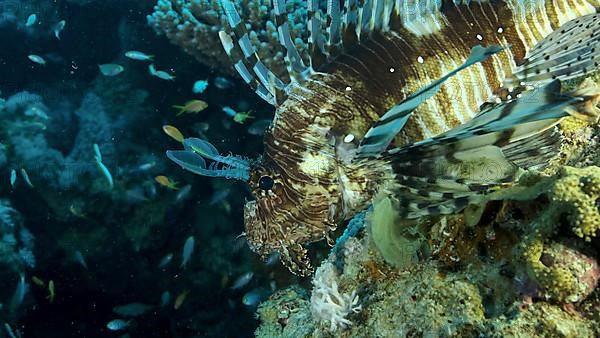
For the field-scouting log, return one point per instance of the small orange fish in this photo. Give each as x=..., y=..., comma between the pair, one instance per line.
x=180, y=299
x=173, y=132
x=166, y=182
x=193, y=106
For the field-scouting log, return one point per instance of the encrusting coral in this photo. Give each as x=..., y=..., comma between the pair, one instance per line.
x=565, y=273
x=194, y=26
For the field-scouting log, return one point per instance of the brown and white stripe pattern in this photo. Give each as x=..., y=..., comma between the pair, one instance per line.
x=323, y=118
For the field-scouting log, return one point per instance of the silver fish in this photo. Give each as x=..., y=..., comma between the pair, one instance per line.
x=37, y=59
x=139, y=56
x=13, y=178
x=222, y=82
x=199, y=86
x=25, y=176
x=164, y=75
x=255, y=296
x=165, y=297
x=183, y=193
x=188, y=249
x=242, y=280
x=132, y=309
x=258, y=127
x=20, y=293
x=78, y=256
x=117, y=324
x=111, y=69
x=31, y=19
x=58, y=28
x=165, y=260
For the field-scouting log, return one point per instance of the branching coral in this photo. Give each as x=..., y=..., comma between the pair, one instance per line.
x=328, y=304
x=194, y=26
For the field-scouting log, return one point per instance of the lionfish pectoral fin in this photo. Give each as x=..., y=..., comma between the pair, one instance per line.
x=382, y=133
x=444, y=174
x=570, y=51
x=294, y=257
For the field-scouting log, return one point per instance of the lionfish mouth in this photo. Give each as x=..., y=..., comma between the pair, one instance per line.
x=197, y=151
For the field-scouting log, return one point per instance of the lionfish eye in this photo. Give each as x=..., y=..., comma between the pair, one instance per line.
x=266, y=183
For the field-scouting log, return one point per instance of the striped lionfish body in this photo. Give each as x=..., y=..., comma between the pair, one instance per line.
x=433, y=103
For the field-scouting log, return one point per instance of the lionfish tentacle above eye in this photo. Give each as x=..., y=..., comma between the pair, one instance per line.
x=192, y=158
x=385, y=129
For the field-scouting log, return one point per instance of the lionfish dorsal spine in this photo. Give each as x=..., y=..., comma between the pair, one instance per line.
x=262, y=80
x=330, y=34
x=295, y=66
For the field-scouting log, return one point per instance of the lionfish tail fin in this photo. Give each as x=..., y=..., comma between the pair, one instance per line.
x=444, y=174
x=197, y=151
x=568, y=52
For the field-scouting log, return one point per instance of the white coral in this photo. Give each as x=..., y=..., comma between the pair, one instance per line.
x=327, y=303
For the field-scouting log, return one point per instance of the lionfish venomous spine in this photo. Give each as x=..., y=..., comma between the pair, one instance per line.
x=434, y=103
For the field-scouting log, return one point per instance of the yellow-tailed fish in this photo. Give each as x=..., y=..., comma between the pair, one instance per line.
x=51, y=291
x=38, y=281
x=173, y=132
x=166, y=182
x=180, y=299
x=241, y=117
x=76, y=211
x=193, y=107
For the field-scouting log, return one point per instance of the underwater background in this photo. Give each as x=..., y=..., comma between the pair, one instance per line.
x=102, y=235
x=104, y=246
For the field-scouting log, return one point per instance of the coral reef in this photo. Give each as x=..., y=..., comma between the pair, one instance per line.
x=31, y=142
x=194, y=26
x=524, y=265
x=16, y=242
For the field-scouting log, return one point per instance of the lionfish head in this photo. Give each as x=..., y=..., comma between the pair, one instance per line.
x=288, y=210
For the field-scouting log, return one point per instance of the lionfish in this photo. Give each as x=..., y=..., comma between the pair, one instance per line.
x=433, y=103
